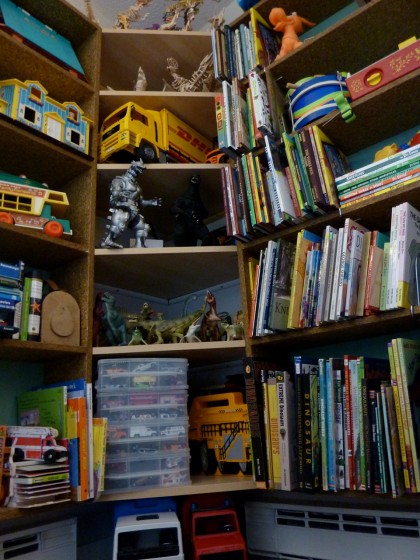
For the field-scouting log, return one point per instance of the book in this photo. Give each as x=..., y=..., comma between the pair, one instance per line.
x=73, y=449
x=395, y=452
x=409, y=369
x=260, y=104
x=307, y=373
x=304, y=242
x=360, y=305
x=287, y=428
x=384, y=277
x=267, y=279
x=398, y=414
x=350, y=227
x=329, y=276
x=374, y=272
x=78, y=405
x=336, y=269
x=330, y=160
x=264, y=373
x=310, y=163
x=254, y=398
x=283, y=196
x=260, y=26
x=408, y=238
x=348, y=423
x=355, y=266
x=281, y=287
x=44, y=407
x=273, y=415
x=391, y=291
x=323, y=423
x=99, y=453
x=326, y=251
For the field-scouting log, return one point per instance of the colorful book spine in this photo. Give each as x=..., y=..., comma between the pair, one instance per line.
x=273, y=412
x=287, y=428
x=100, y=426
x=78, y=405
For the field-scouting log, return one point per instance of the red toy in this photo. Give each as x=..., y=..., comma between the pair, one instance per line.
x=291, y=26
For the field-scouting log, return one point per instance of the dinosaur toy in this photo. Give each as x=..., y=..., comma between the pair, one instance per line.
x=211, y=326
x=291, y=26
x=115, y=328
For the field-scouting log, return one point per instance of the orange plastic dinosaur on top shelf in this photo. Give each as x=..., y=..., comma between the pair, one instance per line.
x=291, y=26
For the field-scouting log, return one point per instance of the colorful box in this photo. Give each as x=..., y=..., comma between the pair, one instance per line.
x=385, y=71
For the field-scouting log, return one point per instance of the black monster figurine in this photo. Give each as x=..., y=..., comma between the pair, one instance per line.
x=189, y=213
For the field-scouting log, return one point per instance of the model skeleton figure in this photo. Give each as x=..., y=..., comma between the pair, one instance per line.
x=125, y=200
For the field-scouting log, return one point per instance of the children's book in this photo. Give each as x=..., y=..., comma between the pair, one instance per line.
x=287, y=427
x=44, y=407
x=100, y=426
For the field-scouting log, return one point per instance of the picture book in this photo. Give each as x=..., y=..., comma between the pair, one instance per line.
x=324, y=290
x=78, y=405
x=348, y=423
x=360, y=305
x=282, y=285
x=99, y=453
x=409, y=362
x=273, y=422
x=394, y=447
x=304, y=242
x=408, y=243
x=264, y=45
x=287, y=427
x=374, y=272
x=44, y=407
x=355, y=266
x=260, y=104
x=323, y=423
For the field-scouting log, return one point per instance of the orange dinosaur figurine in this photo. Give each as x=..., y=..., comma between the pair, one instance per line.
x=291, y=26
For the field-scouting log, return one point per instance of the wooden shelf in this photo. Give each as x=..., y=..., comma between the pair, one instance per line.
x=166, y=272
x=353, y=329
x=26, y=351
x=167, y=181
x=197, y=353
x=200, y=485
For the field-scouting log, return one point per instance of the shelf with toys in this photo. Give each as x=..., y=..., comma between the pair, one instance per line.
x=48, y=153
x=177, y=269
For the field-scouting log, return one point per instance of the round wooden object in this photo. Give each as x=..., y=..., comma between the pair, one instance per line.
x=60, y=319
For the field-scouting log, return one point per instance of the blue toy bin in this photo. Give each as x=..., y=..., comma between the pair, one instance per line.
x=315, y=97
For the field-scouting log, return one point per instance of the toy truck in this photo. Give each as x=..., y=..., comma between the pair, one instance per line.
x=34, y=443
x=131, y=132
x=25, y=202
x=216, y=534
x=219, y=434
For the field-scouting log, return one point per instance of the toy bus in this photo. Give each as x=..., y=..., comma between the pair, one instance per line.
x=25, y=202
x=219, y=433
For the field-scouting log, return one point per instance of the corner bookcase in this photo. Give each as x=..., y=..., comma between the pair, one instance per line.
x=39, y=157
x=166, y=272
x=355, y=41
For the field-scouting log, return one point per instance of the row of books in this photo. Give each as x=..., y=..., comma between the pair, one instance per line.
x=265, y=191
x=380, y=176
x=20, y=301
x=67, y=407
x=348, y=423
x=237, y=50
x=344, y=273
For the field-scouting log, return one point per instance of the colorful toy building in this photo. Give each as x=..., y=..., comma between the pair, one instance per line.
x=29, y=103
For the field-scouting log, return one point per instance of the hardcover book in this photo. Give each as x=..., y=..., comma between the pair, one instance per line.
x=287, y=427
x=44, y=407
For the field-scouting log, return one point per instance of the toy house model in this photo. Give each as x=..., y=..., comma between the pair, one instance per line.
x=29, y=103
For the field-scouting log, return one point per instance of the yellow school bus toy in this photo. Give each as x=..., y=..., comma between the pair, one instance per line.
x=131, y=132
x=219, y=434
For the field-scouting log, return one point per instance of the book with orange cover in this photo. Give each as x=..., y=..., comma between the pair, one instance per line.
x=78, y=404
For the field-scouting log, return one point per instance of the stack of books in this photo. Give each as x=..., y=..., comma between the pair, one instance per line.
x=11, y=286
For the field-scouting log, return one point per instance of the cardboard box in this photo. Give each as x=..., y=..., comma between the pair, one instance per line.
x=385, y=71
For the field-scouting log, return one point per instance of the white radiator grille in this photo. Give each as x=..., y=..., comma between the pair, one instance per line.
x=316, y=533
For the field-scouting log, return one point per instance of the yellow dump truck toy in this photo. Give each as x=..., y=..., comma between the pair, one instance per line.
x=131, y=132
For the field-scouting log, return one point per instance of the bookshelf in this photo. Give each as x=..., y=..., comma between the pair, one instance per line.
x=25, y=151
x=167, y=272
x=378, y=118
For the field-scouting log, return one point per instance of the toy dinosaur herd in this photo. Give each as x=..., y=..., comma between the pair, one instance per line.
x=111, y=327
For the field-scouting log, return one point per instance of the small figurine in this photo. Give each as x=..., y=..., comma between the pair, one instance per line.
x=141, y=82
x=125, y=199
x=291, y=26
x=189, y=213
x=201, y=80
x=115, y=328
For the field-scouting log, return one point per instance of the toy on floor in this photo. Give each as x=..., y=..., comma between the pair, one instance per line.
x=291, y=26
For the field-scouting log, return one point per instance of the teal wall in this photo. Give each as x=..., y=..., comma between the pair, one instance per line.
x=16, y=377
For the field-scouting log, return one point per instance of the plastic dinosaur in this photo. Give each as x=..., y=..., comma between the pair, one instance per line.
x=115, y=328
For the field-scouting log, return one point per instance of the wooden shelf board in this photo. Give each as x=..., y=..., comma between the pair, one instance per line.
x=21, y=351
x=200, y=485
x=196, y=109
x=197, y=353
x=166, y=181
x=352, y=329
x=36, y=248
x=166, y=272
x=38, y=156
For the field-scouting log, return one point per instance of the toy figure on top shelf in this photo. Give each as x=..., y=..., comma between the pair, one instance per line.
x=189, y=213
x=291, y=26
x=125, y=201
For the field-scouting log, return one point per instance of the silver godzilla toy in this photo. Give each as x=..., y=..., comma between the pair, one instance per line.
x=125, y=201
